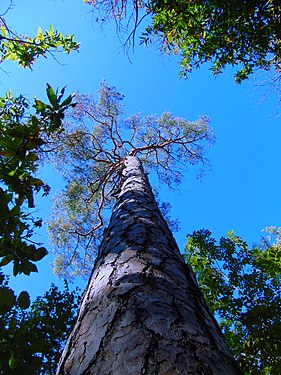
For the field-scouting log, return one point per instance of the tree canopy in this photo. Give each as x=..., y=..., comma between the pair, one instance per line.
x=239, y=33
x=90, y=153
x=242, y=33
x=241, y=285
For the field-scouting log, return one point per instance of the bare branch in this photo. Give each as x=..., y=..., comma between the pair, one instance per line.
x=9, y=7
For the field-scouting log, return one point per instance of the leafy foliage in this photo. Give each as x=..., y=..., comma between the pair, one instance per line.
x=241, y=286
x=22, y=137
x=26, y=50
x=90, y=155
x=237, y=33
x=32, y=336
x=225, y=33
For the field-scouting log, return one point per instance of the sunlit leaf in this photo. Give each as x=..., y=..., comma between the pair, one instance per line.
x=52, y=96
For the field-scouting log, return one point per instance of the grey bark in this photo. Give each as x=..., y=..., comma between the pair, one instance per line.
x=142, y=312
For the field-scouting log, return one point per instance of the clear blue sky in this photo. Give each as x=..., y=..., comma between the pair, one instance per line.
x=241, y=192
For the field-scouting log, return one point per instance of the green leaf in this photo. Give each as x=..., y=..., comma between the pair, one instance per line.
x=12, y=362
x=6, y=260
x=36, y=181
x=52, y=30
x=28, y=267
x=38, y=254
x=32, y=157
x=67, y=101
x=7, y=299
x=24, y=300
x=52, y=96
x=61, y=93
x=7, y=153
x=40, y=106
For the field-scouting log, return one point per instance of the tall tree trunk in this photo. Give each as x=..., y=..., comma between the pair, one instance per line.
x=142, y=312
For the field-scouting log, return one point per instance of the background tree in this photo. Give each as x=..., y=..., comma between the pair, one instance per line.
x=32, y=336
x=240, y=33
x=245, y=34
x=90, y=152
x=241, y=286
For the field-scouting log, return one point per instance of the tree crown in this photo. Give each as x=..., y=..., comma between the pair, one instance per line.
x=90, y=153
x=241, y=285
x=239, y=33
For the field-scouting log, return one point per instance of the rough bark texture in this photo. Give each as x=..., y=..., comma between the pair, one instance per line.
x=142, y=312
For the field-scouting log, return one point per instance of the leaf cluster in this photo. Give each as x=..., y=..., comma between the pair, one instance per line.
x=32, y=335
x=242, y=33
x=22, y=137
x=241, y=285
x=239, y=33
x=26, y=50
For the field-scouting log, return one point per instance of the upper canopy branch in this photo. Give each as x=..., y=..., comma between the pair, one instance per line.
x=97, y=139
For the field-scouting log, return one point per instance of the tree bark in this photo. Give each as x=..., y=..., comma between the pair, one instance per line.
x=142, y=311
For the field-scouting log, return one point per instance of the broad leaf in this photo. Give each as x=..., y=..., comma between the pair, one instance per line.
x=24, y=300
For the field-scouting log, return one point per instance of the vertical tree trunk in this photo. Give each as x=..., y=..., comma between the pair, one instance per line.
x=142, y=312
